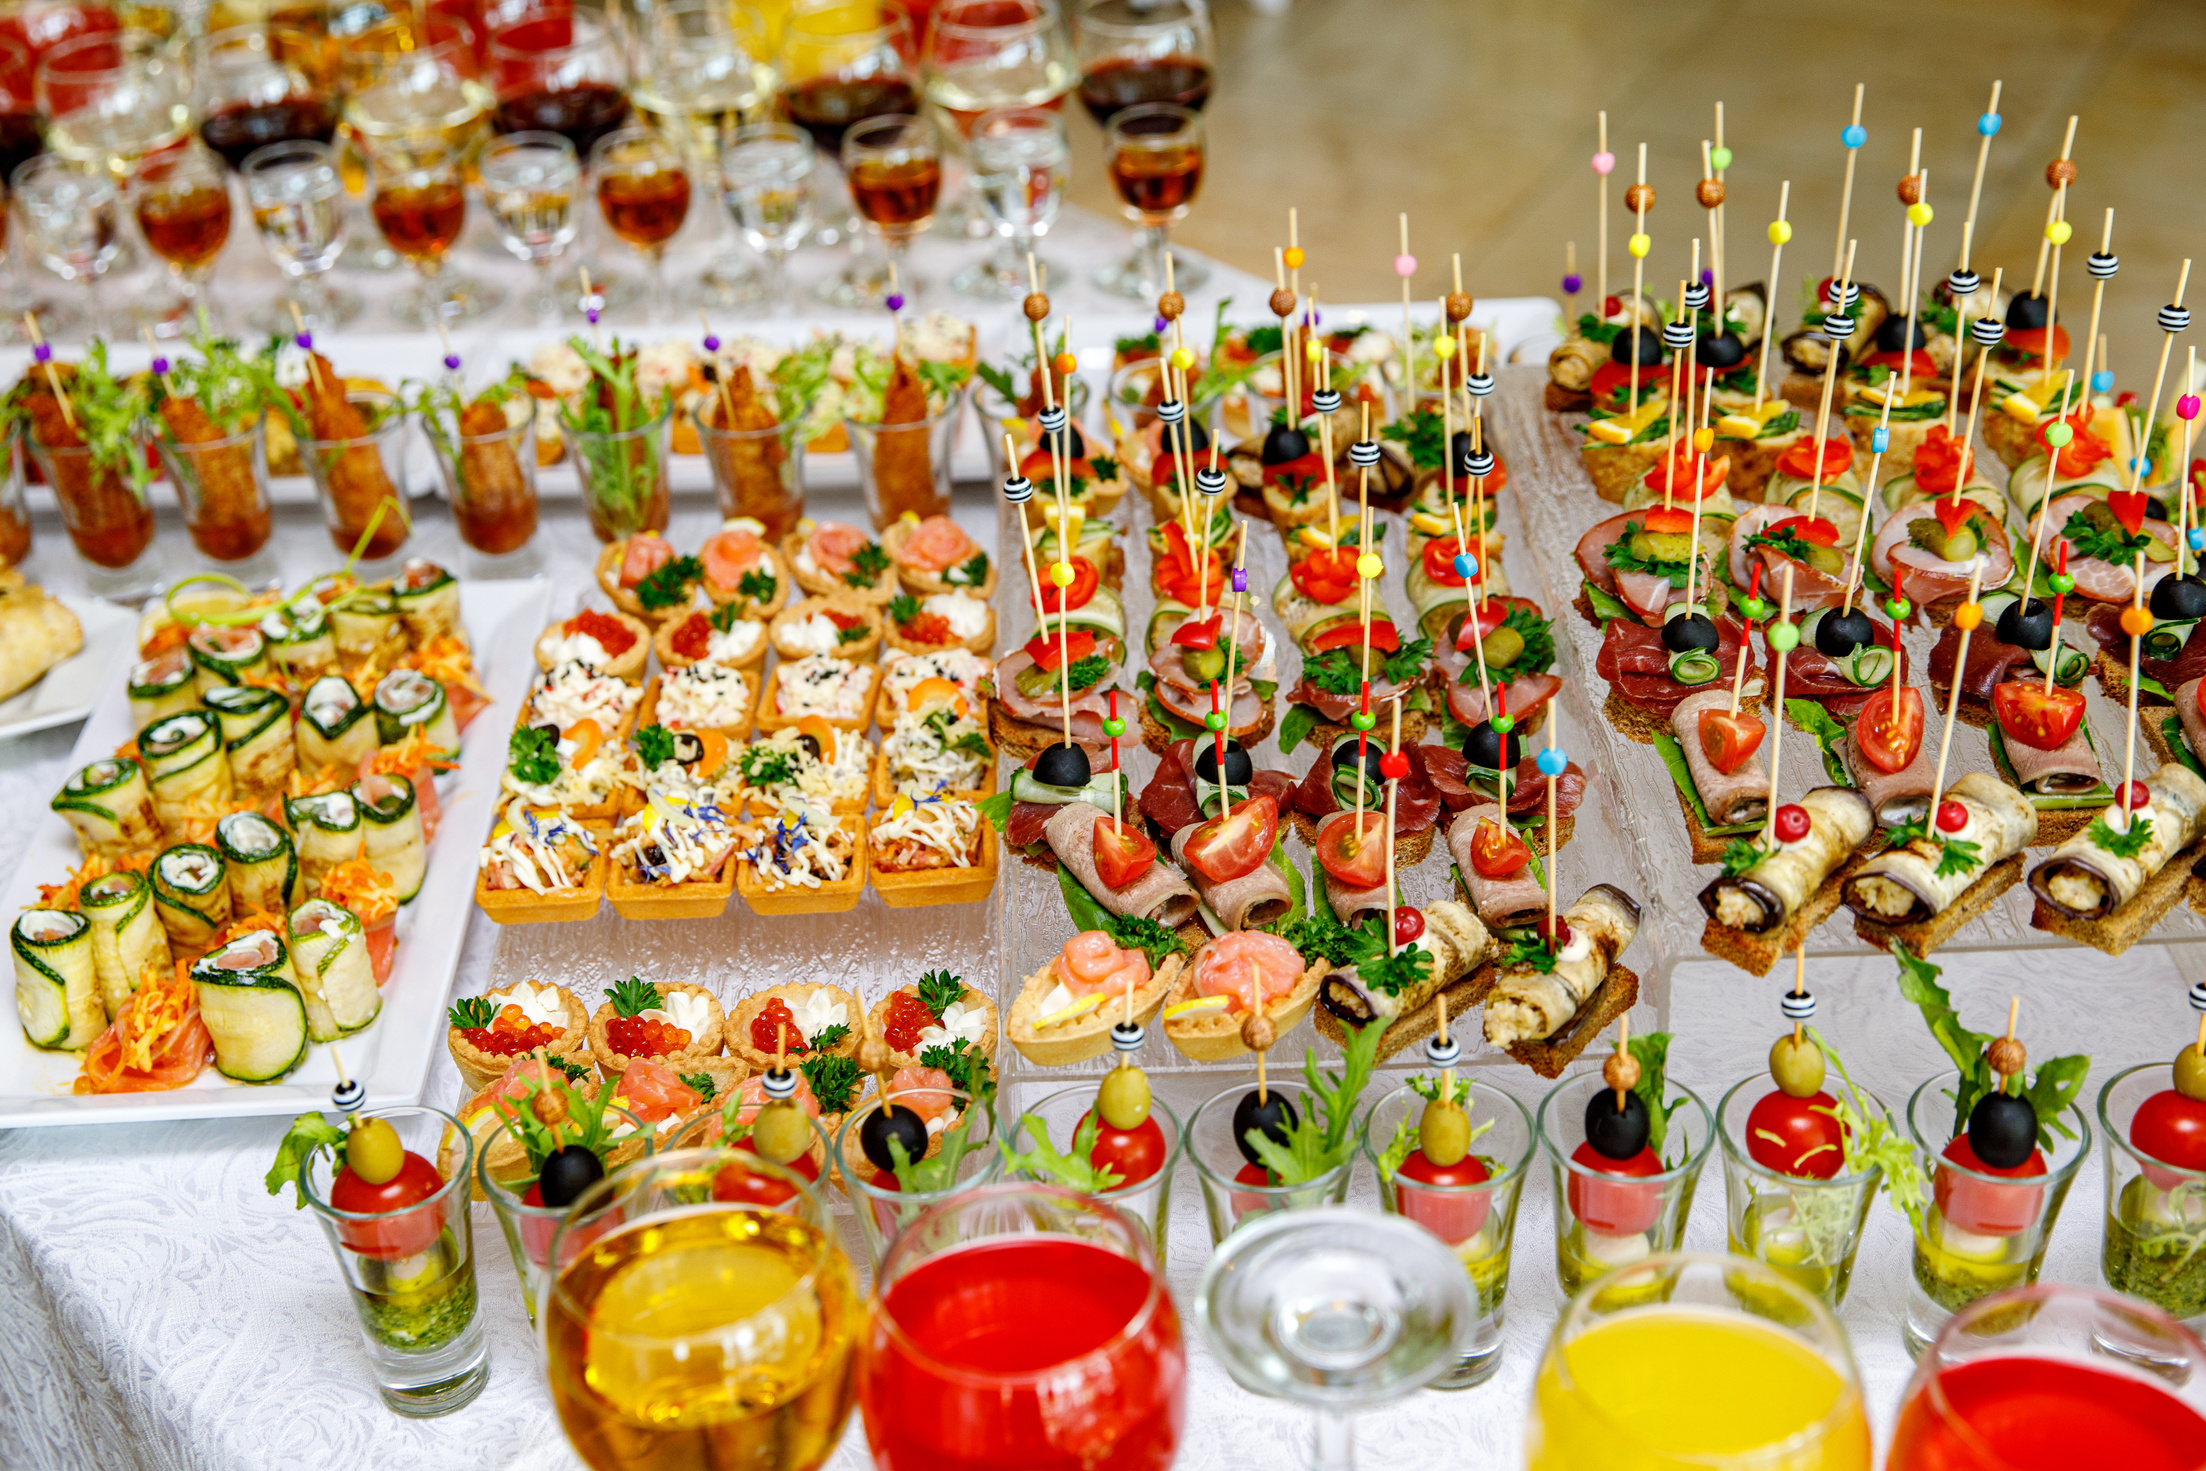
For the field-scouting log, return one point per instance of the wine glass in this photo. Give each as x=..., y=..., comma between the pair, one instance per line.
x=895, y=178
x=766, y=182
x=419, y=202
x=1019, y=159
x=112, y=98
x=69, y=213
x=703, y=71
x=397, y=74
x=529, y=183
x=2015, y=1377
x=643, y=192
x=1133, y=51
x=1725, y=1362
x=20, y=142
x=182, y=203
x=297, y=197
x=247, y=96
x=1155, y=154
x=554, y=71
x=981, y=55
x=833, y=75
x=1337, y=1308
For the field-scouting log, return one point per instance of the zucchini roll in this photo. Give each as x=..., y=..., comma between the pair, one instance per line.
x=327, y=829
x=191, y=891
x=161, y=686
x=329, y=958
x=126, y=934
x=110, y=806
x=187, y=771
x=391, y=815
x=223, y=656
x=256, y=735
x=264, y=867
x=57, y=989
x=366, y=624
x=253, y=1008
x=428, y=600
x=408, y=700
x=300, y=641
x=335, y=728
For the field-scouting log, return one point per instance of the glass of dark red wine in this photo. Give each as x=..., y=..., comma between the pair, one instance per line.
x=832, y=76
x=895, y=180
x=1155, y=154
x=182, y=203
x=1132, y=51
x=643, y=192
x=554, y=71
x=248, y=96
x=20, y=142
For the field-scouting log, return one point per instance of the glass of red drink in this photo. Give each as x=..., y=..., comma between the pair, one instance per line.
x=1144, y=1159
x=1134, y=51
x=832, y=77
x=249, y=95
x=1154, y=151
x=1022, y=1325
x=1612, y=1213
x=885, y=1209
x=1471, y=1206
x=182, y=202
x=490, y=478
x=1236, y=1190
x=2051, y=1376
x=554, y=71
x=222, y=488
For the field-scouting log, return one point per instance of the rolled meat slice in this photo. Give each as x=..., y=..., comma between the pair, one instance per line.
x=1763, y=897
x=1247, y=903
x=1915, y=881
x=1353, y=906
x=1160, y=894
x=2071, y=767
x=2083, y=880
x=2192, y=717
x=1895, y=797
x=1527, y=1005
x=1502, y=903
x=1736, y=797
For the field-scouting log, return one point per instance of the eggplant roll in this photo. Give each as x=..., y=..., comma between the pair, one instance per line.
x=191, y=893
x=391, y=816
x=110, y=806
x=1458, y=943
x=301, y=642
x=127, y=936
x=2083, y=880
x=1923, y=877
x=256, y=736
x=336, y=728
x=329, y=959
x=57, y=989
x=263, y=865
x=1529, y=1005
x=187, y=772
x=327, y=830
x=1772, y=891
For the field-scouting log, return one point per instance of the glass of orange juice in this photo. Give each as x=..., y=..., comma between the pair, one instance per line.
x=1730, y=1365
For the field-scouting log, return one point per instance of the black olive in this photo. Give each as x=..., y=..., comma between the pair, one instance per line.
x=1490, y=750
x=688, y=747
x=1063, y=765
x=1198, y=441
x=893, y=1121
x=2003, y=1130
x=2027, y=624
x=1344, y=759
x=811, y=744
x=2179, y=599
x=1076, y=447
x=1892, y=336
x=1460, y=450
x=1722, y=351
x=550, y=730
x=1839, y=634
x=1272, y=1116
x=2026, y=312
x=1689, y=631
x=568, y=1171
x=1239, y=768
x=1649, y=344
x=1344, y=1002
x=1284, y=442
x=653, y=855
x=1616, y=1133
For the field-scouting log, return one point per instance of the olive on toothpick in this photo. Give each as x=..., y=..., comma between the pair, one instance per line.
x=889, y=1122
x=2179, y=599
x=1838, y=634
x=1645, y=340
x=1063, y=764
x=1239, y=767
x=1493, y=750
x=1261, y=1110
x=1283, y=444
x=2027, y=624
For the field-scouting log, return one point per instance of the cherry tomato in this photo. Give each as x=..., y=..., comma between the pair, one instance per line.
x=1791, y=823
x=804, y=1164
x=1729, y=740
x=1353, y=855
x=1889, y=734
x=1326, y=576
x=1616, y=1209
x=2171, y=1129
x=1123, y=852
x=1816, y=531
x=1796, y=1136
x=400, y=1232
x=1132, y=1154
x=1048, y=651
x=1350, y=636
x=1247, y=1202
x=2041, y=721
x=1799, y=461
x=1409, y=925
x=1085, y=580
x=739, y=1185
x=1496, y=851
x=1227, y=848
x=1453, y=1218
x=1982, y=1209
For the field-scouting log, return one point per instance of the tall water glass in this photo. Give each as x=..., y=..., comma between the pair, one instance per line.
x=766, y=183
x=69, y=215
x=529, y=182
x=298, y=201
x=1020, y=163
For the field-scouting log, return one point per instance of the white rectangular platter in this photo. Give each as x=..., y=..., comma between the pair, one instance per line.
x=392, y=1056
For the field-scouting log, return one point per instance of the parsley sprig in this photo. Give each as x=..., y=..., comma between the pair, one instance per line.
x=669, y=583
x=1316, y=1148
x=532, y=755
x=2127, y=843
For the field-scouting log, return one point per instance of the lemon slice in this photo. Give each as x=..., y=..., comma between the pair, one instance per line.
x=1066, y=1013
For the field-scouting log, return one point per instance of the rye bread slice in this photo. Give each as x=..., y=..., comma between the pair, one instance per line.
x=2134, y=920
x=1755, y=954
x=1925, y=935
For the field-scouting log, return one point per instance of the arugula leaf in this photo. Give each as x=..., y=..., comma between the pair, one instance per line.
x=1073, y=1169
x=654, y=746
x=1296, y=725
x=938, y=1171
x=1651, y=1050
x=2057, y=1085
x=1313, y=1149
x=1606, y=606
x=833, y=1079
x=532, y=755
x=2058, y=1081
x=999, y=379
x=2127, y=843
x=308, y=1132
x=1828, y=732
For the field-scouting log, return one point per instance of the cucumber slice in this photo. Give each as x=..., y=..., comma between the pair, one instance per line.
x=252, y=1008
x=391, y=816
x=56, y=987
x=1024, y=788
x=1103, y=613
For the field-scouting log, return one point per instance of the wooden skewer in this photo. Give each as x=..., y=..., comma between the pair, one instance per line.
x=1026, y=539
x=2092, y=341
x=313, y=359
x=1639, y=282
x=1953, y=705
x=1830, y=369
x=1392, y=784
x=1233, y=646
x=1447, y=1075
x=1846, y=198
x=1623, y=1049
x=1961, y=344
x=2183, y=486
x=1777, y=706
x=53, y=379
x=1294, y=243
x=1907, y=226
x=1983, y=153
x=1776, y=261
x=1409, y=332
x=1914, y=289
x=1601, y=284
x=1738, y=666
x=727, y=399
x=1722, y=261
x=588, y=294
x=2052, y=208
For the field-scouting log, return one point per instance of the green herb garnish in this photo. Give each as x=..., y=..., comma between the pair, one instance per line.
x=308, y=1133
x=701, y=1084
x=2127, y=843
x=866, y=565
x=471, y=1012
x=2055, y=1087
x=1074, y=1169
x=939, y=991
x=633, y=996
x=1314, y=1149
x=827, y=1036
x=532, y=754
x=967, y=1069
x=654, y=746
x=834, y=1081
x=669, y=582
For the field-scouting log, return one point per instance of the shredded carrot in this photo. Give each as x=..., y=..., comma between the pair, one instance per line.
x=446, y=660
x=65, y=895
x=128, y=750
x=357, y=885
x=409, y=756
x=157, y=1040
x=269, y=679
x=365, y=679
x=328, y=779
x=339, y=585
x=170, y=635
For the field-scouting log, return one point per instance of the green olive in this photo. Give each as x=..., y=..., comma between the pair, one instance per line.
x=1797, y=1065
x=1204, y=664
x=1503, y=647
x=1444, y=1133
x=372, y=1151
x=1124, y=1097
x=2190, y=1073
x=781, y=1132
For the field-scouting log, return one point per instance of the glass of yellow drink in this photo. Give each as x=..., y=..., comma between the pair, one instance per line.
x=1732, y=1366
x=704, y=1315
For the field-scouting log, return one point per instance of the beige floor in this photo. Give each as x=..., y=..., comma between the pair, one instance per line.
x=1477, y=117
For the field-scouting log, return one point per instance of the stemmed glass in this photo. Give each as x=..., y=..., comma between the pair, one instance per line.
x=420, y=205
x=529, y=182
x=643, y=192
x=703, y=71
x=113, y=98
x=248, y=96
x=554, y=71
x=895, y=178
x=1019, y=159
x=833, y=75
x=297, y=197
x=981, y=55
x=20, y=142
x=766, y=182
x=1155, y=154
x=1132, y=51
x=1337, y=1308
x=69, y=221
x=182, y=202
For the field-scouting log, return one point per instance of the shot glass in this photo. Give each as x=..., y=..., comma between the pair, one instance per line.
x=623, y=471
x=503, y=1175
x=361, y=480
x=884, y=1210
x=1234, y=1190
x=1806, y=1228
x=757, y=473
x=107, y=515
x=1605, y=1221
x=222, y=486
x=2155, y=1212
x=904, y=469
x=490, y=480
x=1146, y=1202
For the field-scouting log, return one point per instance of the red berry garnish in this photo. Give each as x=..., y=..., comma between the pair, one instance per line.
x=2133, y=795
x=1408, y=925
x=1952, y=817
x=1791, y=823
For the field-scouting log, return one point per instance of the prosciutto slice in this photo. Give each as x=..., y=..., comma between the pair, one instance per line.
x=1170, y=800
x=2105, y=623
x=1894, y=796
x=1502, y=903
x=1191, y=705
x=1990, y=661
x=1811, y=589
x=1742, y=795
x=1416, y=802
x=1520, y=697
x=1635, y=663
x=1648, y=593
x=1246, y=903
x=1159, y=894
x=2097, y=579
x=2068, y=768
x=1337, y=708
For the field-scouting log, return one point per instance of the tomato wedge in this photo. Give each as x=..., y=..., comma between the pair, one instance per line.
x=1350, y=636
x=1353, y=853
x=1228, y=848
x=1327, y=575
x=1799, y=461
x=1198, y=635
x=1085, y=580
x=1497, y=852
x=1816, y=531
x=1888, y=732
x=1668, y=521
x=2029, y=342
x=2040, y=720
x=1048, y=650
x=1728, y=740
x=1123, y=852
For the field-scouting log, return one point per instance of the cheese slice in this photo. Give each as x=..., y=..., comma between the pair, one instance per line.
x=1749, y=423
x=1889, y=392
x=1624, y=427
